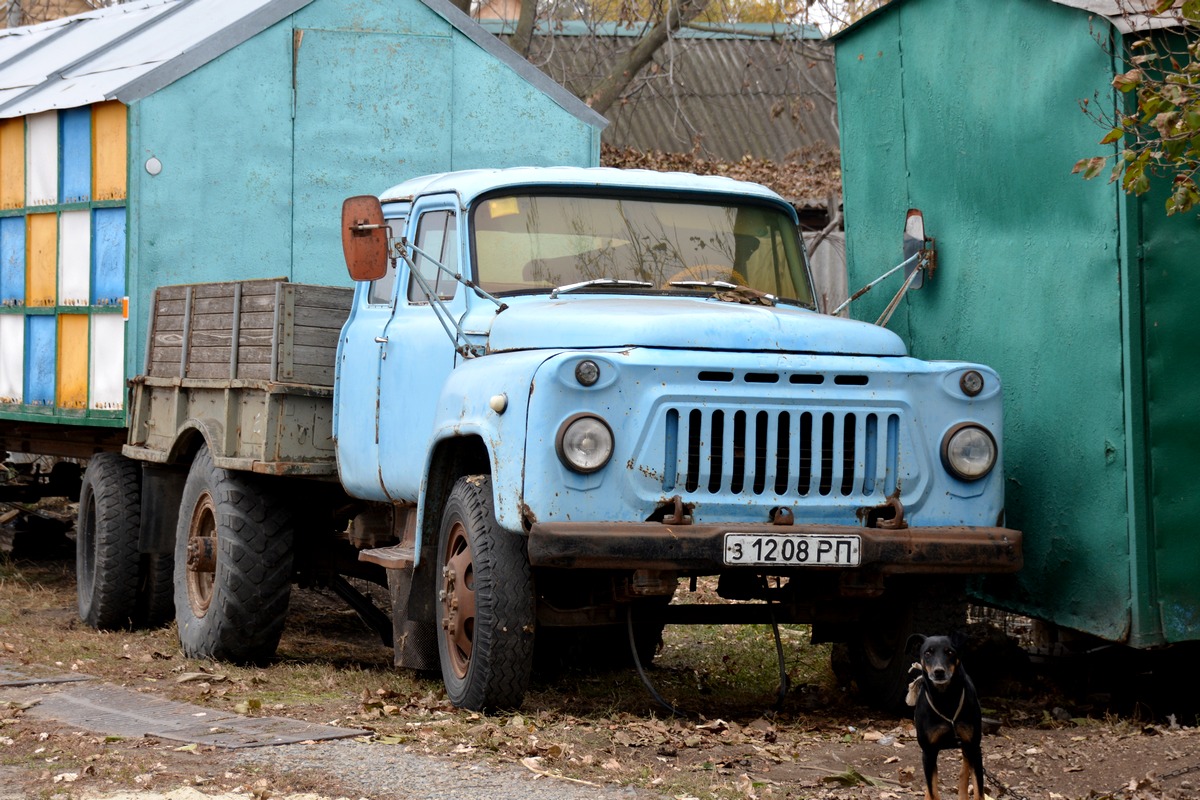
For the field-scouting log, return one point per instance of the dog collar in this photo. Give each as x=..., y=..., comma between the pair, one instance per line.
x=952, y=720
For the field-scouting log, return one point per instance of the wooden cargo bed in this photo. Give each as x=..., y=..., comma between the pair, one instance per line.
x=248, y=365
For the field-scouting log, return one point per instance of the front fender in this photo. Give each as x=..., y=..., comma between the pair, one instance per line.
x=465, y=410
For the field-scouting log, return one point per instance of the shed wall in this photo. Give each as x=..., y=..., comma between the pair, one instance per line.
x=1170, y=329
x=260, y=146
x=970, y=112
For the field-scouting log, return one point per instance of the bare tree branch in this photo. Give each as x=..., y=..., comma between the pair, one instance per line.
x=604, y=93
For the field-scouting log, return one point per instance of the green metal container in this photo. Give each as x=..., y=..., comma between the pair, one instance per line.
x=1082, y=298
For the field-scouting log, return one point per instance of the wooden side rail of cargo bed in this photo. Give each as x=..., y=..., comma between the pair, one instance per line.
x=248, y=366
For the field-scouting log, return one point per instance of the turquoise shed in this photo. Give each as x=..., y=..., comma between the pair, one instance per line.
x=180, y=141
x=1080, y=296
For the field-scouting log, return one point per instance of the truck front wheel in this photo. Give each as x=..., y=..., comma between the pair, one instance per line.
x=878, y=658
x=233, y=565
x=485, y=605
x=107, y=561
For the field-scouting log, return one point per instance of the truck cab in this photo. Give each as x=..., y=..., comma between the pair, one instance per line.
x=569, y=390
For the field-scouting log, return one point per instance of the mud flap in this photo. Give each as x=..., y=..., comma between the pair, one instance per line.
x=414, y=636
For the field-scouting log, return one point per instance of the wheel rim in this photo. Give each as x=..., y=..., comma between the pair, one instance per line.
x=201, y=555
x=458, y=599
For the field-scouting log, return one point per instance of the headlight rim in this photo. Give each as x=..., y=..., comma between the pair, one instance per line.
x=948, y=464
x=561, y=435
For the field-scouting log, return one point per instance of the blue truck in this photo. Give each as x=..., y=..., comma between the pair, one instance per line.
x=553, y=396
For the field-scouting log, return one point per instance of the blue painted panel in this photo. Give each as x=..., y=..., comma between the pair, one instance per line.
x=337, y=75
x=12, y=261
x=108, y=256
x=246, y=153
x=359, y=16
x=498, y=119
x=75, y=139
x=40, y=352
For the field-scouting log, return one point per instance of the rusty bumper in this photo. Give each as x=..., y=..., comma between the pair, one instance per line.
x=700, y=548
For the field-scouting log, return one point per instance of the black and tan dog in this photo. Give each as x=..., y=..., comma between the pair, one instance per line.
x=946, y=712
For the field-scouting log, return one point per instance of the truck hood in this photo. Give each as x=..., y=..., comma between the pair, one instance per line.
x=683, y=323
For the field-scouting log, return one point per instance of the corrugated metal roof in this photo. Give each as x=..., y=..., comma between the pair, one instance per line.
x=764, y=91
x=129, y=51
x=95, y=56
x=1121, y=13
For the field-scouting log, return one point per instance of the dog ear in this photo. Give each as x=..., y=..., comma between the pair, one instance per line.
x=958, y=640
x=913, y=646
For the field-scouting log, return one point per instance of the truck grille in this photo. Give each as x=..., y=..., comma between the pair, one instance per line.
x=793, y=453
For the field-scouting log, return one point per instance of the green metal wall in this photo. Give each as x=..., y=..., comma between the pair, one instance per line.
x=970, y=112
x=1171, y=330
x=260, y=146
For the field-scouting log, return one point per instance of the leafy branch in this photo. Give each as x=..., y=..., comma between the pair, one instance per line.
x=1159, y=136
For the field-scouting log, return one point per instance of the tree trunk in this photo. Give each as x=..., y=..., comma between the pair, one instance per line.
x=523, y=37
x=606, y=92
x=462, y=5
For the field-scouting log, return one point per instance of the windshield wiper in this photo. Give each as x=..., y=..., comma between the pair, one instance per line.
x=570, y=287
x=705, y=284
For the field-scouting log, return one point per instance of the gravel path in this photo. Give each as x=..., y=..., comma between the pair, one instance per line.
x=386, y=772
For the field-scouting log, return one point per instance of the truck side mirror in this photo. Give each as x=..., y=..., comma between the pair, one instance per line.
x=364, y=238
x=916, y=243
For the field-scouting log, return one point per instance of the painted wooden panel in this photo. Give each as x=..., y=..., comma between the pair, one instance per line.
x=74, y=258
x=12, y=261
x=12, y=162
x=109, y=151
x=76, y=136
x=41, y=277
x=12, y=358
x=39, y=360
x=41, y=159
x=72, y=377
x=108, y=362
x=108, y=256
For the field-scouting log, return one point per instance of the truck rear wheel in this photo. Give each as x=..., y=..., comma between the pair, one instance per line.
x=107, y=561
x=485, y=606
x=233, y=565
x=156, y=589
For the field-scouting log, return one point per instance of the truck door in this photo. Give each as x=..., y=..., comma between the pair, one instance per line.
x=418, y=355
x=356, y=420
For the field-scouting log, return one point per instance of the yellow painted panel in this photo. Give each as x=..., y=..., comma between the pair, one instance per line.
x=109, y=151
x=12, y=162
x=72, y=376
x=41, y=276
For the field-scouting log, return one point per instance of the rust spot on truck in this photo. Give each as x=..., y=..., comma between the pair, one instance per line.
x=889, y=515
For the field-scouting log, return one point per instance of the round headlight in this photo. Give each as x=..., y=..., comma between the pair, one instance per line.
x=968, y=452
x=585, y=443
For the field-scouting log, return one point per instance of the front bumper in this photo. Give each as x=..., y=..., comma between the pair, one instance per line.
x=700, y=548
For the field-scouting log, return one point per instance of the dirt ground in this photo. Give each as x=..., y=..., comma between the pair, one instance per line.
x=1105, y=725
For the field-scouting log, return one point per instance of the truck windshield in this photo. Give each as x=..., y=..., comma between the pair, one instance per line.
x=539, y=242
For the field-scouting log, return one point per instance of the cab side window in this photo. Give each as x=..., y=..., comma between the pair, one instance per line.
x=437, y=238
x=380, y=292
x=383, y=291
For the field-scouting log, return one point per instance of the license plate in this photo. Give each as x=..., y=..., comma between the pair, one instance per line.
x=793, y=549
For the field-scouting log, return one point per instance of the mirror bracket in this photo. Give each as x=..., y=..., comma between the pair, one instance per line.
x=916, y=243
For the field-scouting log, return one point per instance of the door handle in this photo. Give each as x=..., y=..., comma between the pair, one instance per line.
x=381, y=339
